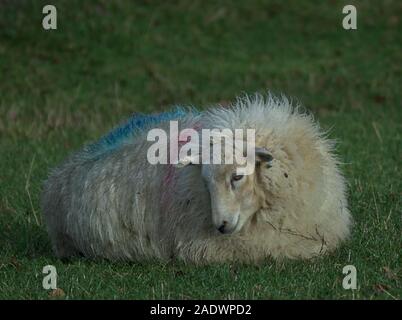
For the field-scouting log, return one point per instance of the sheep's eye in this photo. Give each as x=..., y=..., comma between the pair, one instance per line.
x=237, y=177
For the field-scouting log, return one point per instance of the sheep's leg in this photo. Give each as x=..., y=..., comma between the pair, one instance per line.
x=214, y=250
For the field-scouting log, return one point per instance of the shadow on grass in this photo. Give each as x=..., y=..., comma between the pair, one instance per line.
x=25, y=240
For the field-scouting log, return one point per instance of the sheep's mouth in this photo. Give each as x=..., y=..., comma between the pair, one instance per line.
x=223, y=228
x=237, y=227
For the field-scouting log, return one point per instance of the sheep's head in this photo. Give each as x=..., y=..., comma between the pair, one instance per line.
x=234, y=197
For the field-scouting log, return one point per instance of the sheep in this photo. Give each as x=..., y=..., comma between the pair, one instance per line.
x=108, y=201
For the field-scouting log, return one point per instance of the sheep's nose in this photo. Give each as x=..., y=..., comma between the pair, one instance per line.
x=221, y=229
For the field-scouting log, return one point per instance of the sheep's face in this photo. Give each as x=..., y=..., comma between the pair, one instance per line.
x=234, y=197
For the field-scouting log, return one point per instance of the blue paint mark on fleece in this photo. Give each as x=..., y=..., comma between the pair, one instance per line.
x=134, y=125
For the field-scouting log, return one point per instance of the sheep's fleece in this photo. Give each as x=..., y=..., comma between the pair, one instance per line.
x=108, y=201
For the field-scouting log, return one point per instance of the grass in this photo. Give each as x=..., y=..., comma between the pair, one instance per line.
x=62, y=88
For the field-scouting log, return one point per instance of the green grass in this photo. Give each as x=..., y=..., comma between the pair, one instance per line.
x=60, y=89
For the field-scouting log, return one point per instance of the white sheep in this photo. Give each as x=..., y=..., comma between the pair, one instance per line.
x=109, y=201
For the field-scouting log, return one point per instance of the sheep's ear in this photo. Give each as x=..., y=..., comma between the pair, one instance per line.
x=262, y=155
x=185, y=161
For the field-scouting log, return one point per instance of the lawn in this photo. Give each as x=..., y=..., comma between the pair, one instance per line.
x=107, y=59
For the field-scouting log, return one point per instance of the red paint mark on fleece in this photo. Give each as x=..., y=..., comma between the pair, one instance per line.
x=170, y=179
